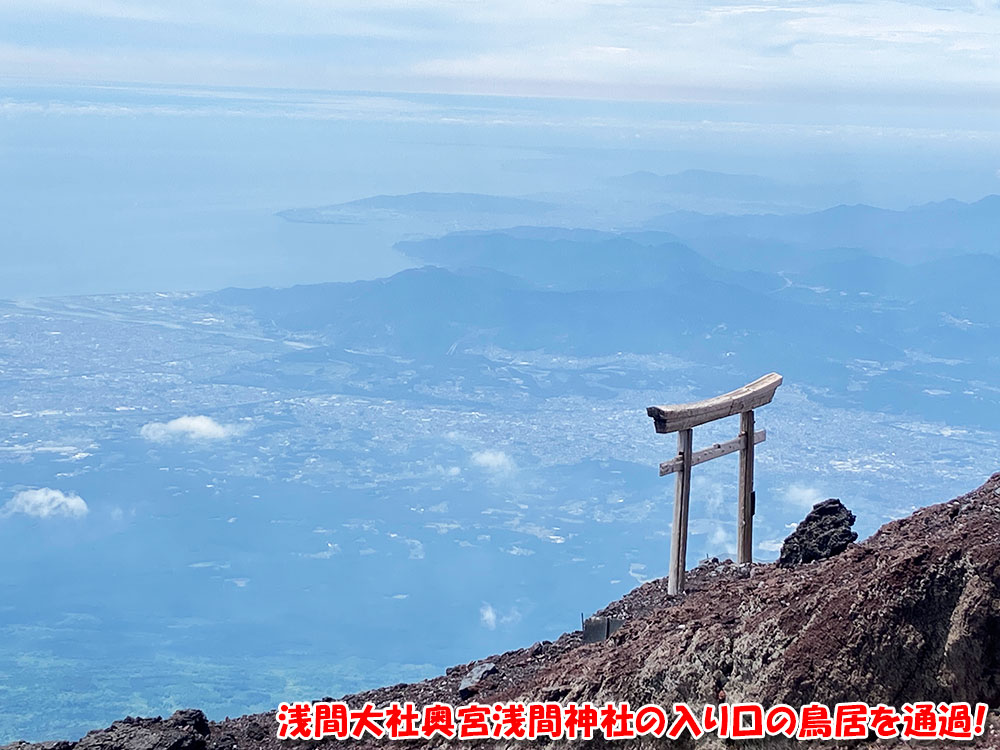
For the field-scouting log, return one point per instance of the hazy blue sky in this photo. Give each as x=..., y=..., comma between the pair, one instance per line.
x=917, y=52
x=148, y=145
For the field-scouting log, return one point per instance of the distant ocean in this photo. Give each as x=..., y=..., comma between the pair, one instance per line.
x=140, y=188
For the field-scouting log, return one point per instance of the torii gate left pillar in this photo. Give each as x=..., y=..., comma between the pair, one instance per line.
x=682, y=418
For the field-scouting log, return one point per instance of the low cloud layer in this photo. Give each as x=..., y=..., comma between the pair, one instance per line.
x=46, y=503
x=589, y=48
x=190, y=428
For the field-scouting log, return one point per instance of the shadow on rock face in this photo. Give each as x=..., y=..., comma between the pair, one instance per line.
x=825, y=532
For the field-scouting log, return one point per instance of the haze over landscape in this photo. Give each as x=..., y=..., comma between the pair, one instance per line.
x=325, y=367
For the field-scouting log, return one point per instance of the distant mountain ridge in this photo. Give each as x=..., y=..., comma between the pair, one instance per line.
x=879, y=332
x=927, y=232
x=568, y=260
x=430, y=309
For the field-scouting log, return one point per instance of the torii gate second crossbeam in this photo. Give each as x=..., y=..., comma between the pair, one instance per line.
x=681, y=418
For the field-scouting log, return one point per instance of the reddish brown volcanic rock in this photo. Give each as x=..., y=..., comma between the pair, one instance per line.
x=910, y=614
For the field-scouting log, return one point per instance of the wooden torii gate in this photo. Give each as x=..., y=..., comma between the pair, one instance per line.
x=681, y=418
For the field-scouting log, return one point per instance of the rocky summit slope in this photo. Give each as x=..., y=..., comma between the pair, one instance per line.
x=910, y=614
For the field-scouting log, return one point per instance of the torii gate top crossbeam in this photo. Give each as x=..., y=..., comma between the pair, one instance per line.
x=685, y=416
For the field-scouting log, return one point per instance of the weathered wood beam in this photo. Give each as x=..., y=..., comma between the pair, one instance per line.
x=707, y=454
x=684, y=416
x=679, y=532
x=744, y=521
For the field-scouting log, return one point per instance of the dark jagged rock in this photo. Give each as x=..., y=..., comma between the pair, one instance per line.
x=189, y=719
x=825, y=532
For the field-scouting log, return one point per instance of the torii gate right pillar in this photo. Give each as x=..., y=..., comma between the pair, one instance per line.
x=744, y=524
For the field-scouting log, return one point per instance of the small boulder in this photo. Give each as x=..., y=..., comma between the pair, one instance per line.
x=471, y=682
x=190, y=720
x=824, y=532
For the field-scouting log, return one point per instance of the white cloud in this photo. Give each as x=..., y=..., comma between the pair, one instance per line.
x=193, y=428
x=416, y=549
x=517, y=551
x=722, y=538
x=496, y=461
x=331, y=550
x=46, y=503
x=803, y=496
x=443, y=527
x=512, y=617
x=488, y=616
x=711, y=492
x=636, y=571
x=214, y=565
x=770, y=545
